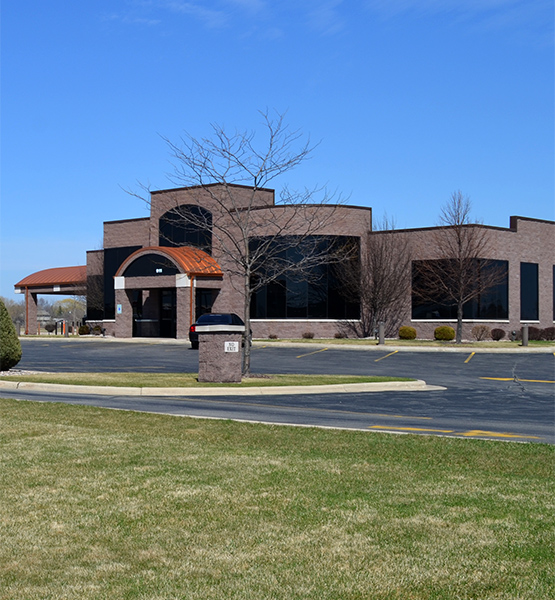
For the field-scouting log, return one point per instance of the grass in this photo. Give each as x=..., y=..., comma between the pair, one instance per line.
x=100, y=504
x=190, y=379
x=413, y=343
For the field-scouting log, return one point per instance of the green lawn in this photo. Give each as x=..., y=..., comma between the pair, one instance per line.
x=190, y=379
x=504, y=344
x=103, y=504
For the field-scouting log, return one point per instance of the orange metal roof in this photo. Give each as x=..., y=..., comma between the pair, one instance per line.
x=56, y=276
x=190, y=260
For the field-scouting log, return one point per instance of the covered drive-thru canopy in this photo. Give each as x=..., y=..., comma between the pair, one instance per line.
x=65, y=281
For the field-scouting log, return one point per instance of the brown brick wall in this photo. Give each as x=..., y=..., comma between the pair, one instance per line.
x=527, y=240
x=132, y=232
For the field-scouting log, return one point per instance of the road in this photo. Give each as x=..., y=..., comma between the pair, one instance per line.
x=486, y=395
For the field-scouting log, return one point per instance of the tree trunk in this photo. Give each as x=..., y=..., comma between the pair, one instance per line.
x=248, y=336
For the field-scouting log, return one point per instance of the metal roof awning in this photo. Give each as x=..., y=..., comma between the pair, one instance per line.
x=60, y=280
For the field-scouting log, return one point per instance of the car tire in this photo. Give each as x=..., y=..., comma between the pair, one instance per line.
x=194, y=345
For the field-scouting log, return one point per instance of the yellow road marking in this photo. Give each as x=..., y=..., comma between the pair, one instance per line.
x=390, y=354
x=518, y=379
x=474, y=433
x=468, y=359
x=404, y=417
x=478, y=432
x=315, y=352
x=410, y=429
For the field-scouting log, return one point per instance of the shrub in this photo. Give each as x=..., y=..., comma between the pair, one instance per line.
x=497, y=334
x=84, y=330
x=548, y=333
x=273, y=336
x=534, y=333
x=97, y=330
x=481, y=332
x=340, y=335
x=308, y=335
x=10, y=347
x=444, y=333
x=50, y=327
x=407, y=333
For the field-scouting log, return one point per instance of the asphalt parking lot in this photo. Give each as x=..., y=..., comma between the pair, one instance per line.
x=486, y=395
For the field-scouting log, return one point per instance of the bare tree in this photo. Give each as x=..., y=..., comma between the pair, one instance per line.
x=252, y=244
x=462, y=270
x=16, y=309
x=380, y=281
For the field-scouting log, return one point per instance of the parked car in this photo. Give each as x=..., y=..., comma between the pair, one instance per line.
x=212, y=319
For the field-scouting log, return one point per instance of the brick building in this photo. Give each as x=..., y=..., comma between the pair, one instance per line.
x=156, y=275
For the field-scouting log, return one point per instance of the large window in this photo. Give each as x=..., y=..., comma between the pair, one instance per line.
x=490, y=305
x=186, y=225
x=150, y=265
x=113, y=257
x=529, y=293
x=314, y=293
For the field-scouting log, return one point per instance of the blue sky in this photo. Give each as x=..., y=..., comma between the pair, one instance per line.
x=409, y=100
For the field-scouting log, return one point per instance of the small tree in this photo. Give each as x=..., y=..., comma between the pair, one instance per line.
x=461, y=271
x=10, y=347
x=253, y=247
x=381, y=281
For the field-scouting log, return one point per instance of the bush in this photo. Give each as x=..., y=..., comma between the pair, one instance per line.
x=84, y=330
x=50, y=327
x=548, y=333
x=273, y=336
x=308, y=335
x=481, y=332
x=10, y=348
x=340, y=335
x=97, y=330
x=407, y=333
x=497, y=334
x=534, y=333
x=444, y=333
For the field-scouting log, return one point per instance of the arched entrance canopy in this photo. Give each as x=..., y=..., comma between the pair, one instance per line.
x=65, y=281
x=157, y=287
x=187, y=259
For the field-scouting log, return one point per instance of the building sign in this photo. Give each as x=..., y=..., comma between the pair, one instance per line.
x=231, y=346
x=118, y=309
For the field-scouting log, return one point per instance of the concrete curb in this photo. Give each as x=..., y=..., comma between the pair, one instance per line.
x=346, y=388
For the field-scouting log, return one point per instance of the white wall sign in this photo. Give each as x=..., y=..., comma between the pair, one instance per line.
x=119, y=310
x=231, y=346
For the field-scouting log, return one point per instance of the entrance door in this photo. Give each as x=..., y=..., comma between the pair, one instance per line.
x=168, y=313
x=204, y=299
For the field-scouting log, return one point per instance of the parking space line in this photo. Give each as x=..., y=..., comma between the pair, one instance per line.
x=315, y=352
x=390, y=354
x=470, y=357
x=480, y=433
x=518, y=379
x=411, y=429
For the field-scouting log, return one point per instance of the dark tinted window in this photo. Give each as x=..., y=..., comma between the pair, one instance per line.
x=313, y=294
x=150, y=265
x=186, y=225
x=529, y=296
x=492, y=304
x=113, y=257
